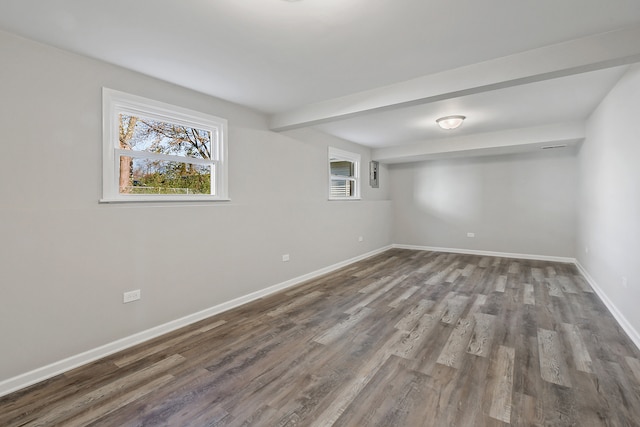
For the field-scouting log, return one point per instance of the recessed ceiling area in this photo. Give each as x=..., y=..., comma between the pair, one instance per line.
x=564, y=99
x=375, y=72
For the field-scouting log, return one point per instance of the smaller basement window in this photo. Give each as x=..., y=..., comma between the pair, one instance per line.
x=154, y=151
x=344, y=175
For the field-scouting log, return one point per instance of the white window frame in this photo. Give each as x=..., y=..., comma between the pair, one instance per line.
x=115, y=102
x=355, y=158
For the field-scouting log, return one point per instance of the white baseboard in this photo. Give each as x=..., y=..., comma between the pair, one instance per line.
x=487, y=253
x=29, y=378
x=633, y=334
x=622, y=321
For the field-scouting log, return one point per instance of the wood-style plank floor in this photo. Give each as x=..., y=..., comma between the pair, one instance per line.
x=405, y=338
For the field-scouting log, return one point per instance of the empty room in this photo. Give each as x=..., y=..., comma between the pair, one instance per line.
x=320, y=213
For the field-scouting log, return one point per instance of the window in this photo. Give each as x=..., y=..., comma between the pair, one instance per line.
x=344, y=174
x=154, y=151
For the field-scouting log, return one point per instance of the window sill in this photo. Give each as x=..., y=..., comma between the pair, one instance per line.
x=160, y=199
x=345, y=199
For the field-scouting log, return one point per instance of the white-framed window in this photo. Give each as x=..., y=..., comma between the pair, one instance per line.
x=153, y=151
x=344, y=175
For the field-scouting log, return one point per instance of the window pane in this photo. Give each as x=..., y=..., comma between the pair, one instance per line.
x=145, y=176
x=342, y=167
x=342, y=188
x=142, y=134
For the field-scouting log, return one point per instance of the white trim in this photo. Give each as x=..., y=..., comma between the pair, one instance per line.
x=617, y=314
x=487, y=253
x=143, y=198
x=166, y=157
x=37, y=375
x=114, y=102
x=356, y=159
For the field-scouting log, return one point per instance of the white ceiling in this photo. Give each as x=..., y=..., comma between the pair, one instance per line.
x=563, y=99
x=343, y=65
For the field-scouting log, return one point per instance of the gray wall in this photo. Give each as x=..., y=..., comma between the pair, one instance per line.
x=65, y=259
x=609, y=202
x=520, y=203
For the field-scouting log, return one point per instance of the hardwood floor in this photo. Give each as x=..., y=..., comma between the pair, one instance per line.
x=405, y=338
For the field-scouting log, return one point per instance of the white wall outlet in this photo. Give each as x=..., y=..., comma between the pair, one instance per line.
x=586, y=249
x=471, y=234
x=360, y=238
x=285, y=257
x=625, y=282
x=131, y=296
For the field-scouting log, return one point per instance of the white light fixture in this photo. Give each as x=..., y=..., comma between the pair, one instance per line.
x=450, y=122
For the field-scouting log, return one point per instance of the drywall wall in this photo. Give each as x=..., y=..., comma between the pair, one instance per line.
x=609, y=203
x=65, y=259
x=519, y=203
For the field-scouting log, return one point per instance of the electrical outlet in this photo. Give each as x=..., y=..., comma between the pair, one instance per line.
x=131, y=296
x=586, y=249
x=471, y=234
x=625, y=282
x=360, y=238
x=285, y=257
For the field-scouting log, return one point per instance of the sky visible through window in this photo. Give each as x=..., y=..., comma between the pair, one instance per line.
x=163, y=137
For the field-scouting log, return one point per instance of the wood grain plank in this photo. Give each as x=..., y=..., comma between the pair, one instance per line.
x=454, y=350
x=455, y=306
x=113, y=405
x=581, y=356
x=537, y=274
x=554, y=288
x=297, y=302
x=453, y=276
x=478, y=303
x=514, y=267
x=468, y=270
x=634, y=365
x=341, y=328
x=480, y=343
x=375, y=285
x=410, y=320
x=529, y=296
x=403, y=297
x=582, y=284
x=502, y=368
x=165, y=345
x=440, y=275
x=374, y=267
x=409, y=344
x=375, y=295
x=566, y=284
x=88, y=400
x=553, y=368
x=403, y=403
x=525, y=414
x=485, y=262
x=351, y=390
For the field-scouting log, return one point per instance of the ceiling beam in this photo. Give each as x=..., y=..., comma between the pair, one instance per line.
x=590, y=53
x=502, y=142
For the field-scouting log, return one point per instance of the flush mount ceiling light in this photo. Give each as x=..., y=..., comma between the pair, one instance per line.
x=450, y=122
